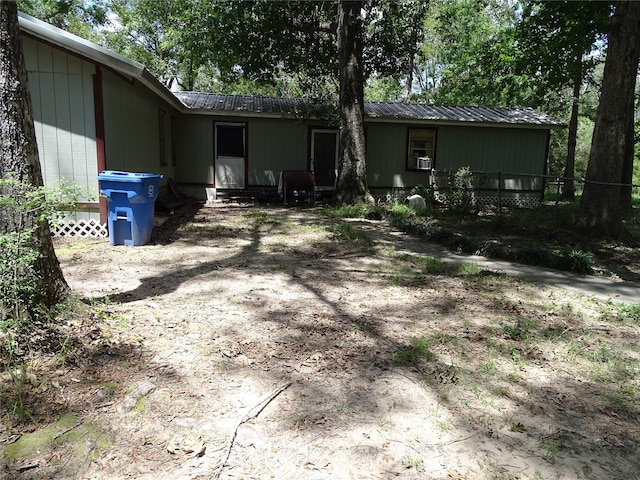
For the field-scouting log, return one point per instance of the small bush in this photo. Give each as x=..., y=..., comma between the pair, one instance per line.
x=576, y=261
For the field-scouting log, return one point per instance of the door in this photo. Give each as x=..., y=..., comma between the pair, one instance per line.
x=230, y=155
x=324, y=157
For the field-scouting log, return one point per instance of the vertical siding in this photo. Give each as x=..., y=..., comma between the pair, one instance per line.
x=275, y=145
x=62, y=96
x=195, y=149
x=132, y=139
x=488, y=149
x=516, y=150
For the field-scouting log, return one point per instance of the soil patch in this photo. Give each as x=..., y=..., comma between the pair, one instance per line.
x=268, y=342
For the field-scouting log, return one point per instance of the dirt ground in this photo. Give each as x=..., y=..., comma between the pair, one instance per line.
x=270, y=342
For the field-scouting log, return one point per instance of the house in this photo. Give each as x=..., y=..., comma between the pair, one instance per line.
x=95, y=110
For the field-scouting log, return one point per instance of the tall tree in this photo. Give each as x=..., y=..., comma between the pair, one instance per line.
x=394, y=35
x=557, y=41
x=478, y=54
x=600, y=211
x=19, y=162
x=352, y=179
x=80, y=17
x=294, y=45
x=168, y=37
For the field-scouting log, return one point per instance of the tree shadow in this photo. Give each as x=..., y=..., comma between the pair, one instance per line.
x=343, y=358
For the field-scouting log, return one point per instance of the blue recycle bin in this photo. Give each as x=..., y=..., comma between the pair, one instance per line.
x=131, y=203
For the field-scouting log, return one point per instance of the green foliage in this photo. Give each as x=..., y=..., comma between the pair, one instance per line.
x=80, y=17
x=358, y=210
x=19, y=250
x=622, y=313
x=477, y=54
x=418, y=351
x=383, y=89
x=457, y=195
x=520, y=329
x=20, y=289
x=425, y=191
x=570, y=259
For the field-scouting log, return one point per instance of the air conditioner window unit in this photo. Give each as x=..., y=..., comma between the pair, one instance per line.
x=424, y=163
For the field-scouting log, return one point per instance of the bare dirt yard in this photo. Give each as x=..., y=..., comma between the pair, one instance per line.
x=270, y=342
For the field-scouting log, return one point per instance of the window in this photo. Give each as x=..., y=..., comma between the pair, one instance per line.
x=422, y=148
x=230, y=140
x=162, y=135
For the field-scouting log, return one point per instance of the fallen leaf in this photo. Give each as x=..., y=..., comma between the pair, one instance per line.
x=607, y=411
x=455, y=475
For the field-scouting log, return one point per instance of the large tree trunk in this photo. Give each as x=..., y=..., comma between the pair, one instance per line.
x=352, y=173
x=19, y=162
x=568, y=187
x=600, y=212
x=626, y=191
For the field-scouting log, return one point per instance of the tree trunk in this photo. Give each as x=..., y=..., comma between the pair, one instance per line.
x=19, y=162
x=352, y=174
x=568, y=187
x=626, y=202
x=600, y=212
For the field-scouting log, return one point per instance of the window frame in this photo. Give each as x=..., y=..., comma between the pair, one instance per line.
x=174, y=136
x=411, y=156
x=240, y=125
x=162, y=137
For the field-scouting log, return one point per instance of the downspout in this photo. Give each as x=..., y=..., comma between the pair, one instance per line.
x=98, y=106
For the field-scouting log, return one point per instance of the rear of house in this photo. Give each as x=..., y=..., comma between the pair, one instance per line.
x=243, y=143
x=95, y=110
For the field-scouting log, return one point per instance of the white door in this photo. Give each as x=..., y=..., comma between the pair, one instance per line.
x=230, y=155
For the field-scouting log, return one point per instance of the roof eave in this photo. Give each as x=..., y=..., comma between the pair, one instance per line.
x=242, y=113
x=436, y=122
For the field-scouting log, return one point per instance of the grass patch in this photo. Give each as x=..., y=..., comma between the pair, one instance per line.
x=359, y=210
x=621, y=313
x=354, y=236
x=518, y=329
x=418, y=351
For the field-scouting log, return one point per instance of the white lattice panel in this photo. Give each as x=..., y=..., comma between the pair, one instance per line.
x=80, y=228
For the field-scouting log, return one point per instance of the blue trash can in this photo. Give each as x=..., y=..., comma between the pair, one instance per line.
x=131, y=203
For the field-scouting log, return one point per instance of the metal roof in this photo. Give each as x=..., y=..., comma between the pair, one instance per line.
x=256, y=105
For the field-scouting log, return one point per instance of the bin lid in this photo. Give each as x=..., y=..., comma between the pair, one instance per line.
x=115, y=175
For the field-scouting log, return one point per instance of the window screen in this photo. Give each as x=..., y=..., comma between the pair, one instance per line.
x=230, y=141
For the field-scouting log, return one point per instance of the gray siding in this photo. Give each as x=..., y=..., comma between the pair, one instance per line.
x=132, y=139
x=195, y=150
x=61, y=87
x=486, y=149
x=273, y=145
x=276, y=145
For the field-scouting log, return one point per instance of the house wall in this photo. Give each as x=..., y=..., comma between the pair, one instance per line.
x=131, y=127
x=482, y=149
x=273, y=145
x=61, y=87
